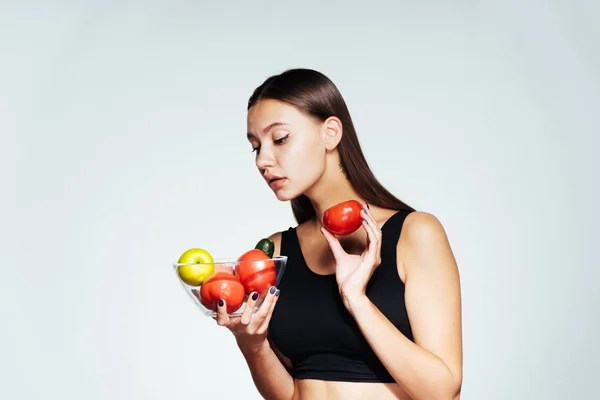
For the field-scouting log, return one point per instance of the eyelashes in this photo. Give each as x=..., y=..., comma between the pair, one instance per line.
x=277, y=142
x=282, y=140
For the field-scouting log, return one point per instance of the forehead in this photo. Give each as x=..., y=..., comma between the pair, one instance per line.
x=267, y=112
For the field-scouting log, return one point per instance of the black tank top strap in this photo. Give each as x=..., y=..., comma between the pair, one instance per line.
x=286, y=243
x=290, y=246
x=390, y=231
x=392, y=228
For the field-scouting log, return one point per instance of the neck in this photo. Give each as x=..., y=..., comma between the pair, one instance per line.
x=331, y=189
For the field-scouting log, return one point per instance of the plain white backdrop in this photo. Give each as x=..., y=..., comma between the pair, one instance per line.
x=123, y=144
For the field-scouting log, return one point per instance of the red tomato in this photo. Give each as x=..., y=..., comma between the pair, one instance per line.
x=343, y=218
x=256, y=271
x=222, y=285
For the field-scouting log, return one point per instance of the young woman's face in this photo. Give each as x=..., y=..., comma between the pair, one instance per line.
x=289, y=146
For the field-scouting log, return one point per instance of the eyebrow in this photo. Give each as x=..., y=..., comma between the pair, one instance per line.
x=267, y=129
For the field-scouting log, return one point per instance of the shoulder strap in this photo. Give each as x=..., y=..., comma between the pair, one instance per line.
x=393, y=227
x=288, y=239
x=391, y=230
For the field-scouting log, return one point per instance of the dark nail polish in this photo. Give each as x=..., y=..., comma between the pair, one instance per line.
x=368, y=206
x=254, y=295
x=221, y=303
x=277, y=292
x=366, y=222
x=272, y=289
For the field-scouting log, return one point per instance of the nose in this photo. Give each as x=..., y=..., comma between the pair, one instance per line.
x=265, y=158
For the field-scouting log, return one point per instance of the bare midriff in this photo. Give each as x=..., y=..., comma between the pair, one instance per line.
x=310, y=389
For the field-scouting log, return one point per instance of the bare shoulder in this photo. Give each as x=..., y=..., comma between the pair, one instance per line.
x=420, y=225
x=423, y=237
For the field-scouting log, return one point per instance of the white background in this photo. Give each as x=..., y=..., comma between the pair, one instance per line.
x=123, y=144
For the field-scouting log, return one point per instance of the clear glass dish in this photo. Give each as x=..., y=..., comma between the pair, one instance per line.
x=232, y=280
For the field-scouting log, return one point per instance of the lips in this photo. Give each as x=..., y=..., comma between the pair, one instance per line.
x=271, y=178
x=275, y=181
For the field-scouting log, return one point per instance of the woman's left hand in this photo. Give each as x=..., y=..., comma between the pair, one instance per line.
x=354, y=271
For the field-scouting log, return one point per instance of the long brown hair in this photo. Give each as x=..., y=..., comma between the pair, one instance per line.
x=315, y=94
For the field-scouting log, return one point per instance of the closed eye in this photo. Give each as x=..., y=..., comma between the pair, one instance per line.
x=277, y=141
x=283, y=139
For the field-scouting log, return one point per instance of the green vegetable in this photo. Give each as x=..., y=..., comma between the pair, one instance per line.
x=267, y=246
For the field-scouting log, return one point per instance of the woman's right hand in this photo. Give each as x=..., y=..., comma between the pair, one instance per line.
x=249, y=329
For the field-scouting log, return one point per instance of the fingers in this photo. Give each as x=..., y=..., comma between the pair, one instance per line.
x=246, y=317
x=269, y=307
x=374, y=235
x=250, y=322
x=366, y=214
x=273, y=300
x=222, y=316
x=266, y=304
x=370, y=220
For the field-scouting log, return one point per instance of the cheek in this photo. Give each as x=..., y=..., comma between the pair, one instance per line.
x=305, y=163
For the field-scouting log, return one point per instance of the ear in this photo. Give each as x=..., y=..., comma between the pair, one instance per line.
x=333, y=131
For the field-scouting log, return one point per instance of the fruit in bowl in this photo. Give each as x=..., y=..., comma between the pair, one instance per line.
x=196, y=265
x=207, y=279
x=256, y=271
x=222, y=285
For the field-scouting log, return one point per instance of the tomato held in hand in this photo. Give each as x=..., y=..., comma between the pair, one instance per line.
x=256, y=271
x=343, y=218
x=222, y=285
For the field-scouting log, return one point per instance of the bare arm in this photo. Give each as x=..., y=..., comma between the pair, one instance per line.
x=268, y=367
x=431, y=367
x=270, y=376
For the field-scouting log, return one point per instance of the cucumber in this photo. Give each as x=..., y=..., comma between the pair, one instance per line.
x=267, y=246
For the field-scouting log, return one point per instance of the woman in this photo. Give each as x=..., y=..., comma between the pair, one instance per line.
x=372, y=315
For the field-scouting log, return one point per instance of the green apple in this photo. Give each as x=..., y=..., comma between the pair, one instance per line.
x=196, y=265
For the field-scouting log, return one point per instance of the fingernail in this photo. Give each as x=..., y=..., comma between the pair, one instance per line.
x=221, y=303
x=277, y=292
x=272, y=289
x=254, y=295
x=366, y=222
x=368, y=206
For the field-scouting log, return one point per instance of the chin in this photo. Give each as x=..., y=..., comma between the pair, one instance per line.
x=286, y=193
x=290, y=191
x=283, y=195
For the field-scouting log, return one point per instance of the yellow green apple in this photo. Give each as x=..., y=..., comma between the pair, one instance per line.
x=195, y=266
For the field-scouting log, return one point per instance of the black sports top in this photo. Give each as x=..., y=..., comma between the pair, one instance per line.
x=311, y=326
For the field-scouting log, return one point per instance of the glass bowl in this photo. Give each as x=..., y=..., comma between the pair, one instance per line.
x=233, y=281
